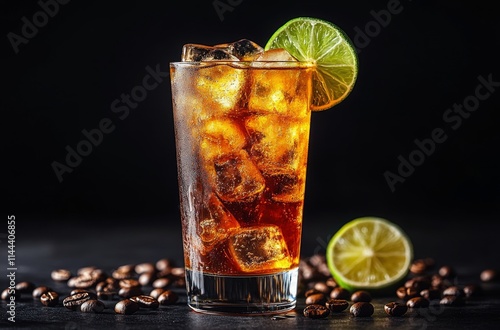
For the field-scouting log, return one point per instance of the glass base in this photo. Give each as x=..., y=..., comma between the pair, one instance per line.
x=243, y=295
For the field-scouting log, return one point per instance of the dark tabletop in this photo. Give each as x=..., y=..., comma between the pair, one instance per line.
x=72, y=244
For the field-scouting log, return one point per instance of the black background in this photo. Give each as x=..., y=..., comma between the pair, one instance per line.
x=424, y=60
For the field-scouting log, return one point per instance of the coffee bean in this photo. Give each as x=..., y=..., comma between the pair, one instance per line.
x=488, y=275
x=98, y=275
x=361, y=296
x=147, y=278
x=25, y=287
x=340, y=293
x=310, y=292
x=168, y=297
x=453, y=291
x=322, y=287
x=418, y=266
x=85, y=270
x=331, y=283
x=316, y=311
x=362, y=309
x=123, y=272
x=91, y=294
x=406, y=293
x=452, y=301
x=418, y=283
x=417, y=302
x=447, y=272
x=73, y=302
x=81, y=282
x=163, y=283
x=129, y=283
x=130, y=292
x=155, y=293
x=38, y=291
x=316, y=298
x=92, y=306
x=164, y=264
x=126, y=307
x=146, y=301
x=50, y=298
x=395, y=309
x=60, y=275
x=336, y=305
x=8, y=292
x=102, y=295
x=471, y=290
x=146, y=267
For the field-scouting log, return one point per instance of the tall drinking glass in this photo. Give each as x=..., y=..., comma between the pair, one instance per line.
x=242, y=131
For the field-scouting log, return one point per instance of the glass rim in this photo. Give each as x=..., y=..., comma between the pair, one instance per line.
x=246, y=64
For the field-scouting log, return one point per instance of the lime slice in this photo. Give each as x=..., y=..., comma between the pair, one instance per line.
x=369, y=254
x=321, y=42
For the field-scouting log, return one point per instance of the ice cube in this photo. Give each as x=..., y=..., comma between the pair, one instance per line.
x=216, y=223
x=236, y=178
x=219, y=55
x=245, y=50
x=194, y=52
x=259, y=249
x=220, y=87
x=285, y=91
x=277, y=54
x=278, y=141
x=220, y=136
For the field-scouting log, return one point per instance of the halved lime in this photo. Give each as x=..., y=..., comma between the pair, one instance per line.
x=321, y=42
x=369, y=253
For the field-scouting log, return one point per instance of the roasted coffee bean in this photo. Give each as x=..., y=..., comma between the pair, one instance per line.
x=417, y=302
x=395, y=309
x=489, y=275
x=315, y=299
x=126, y=307
x=340, y=293
x=178, y=272
x=453, y=291
x=38, y=291
x=81, y=282
x=145, y=267
x=452, y=301
x=74, y=301
x=331, y=283
x=322, y=287
x=147, y=278
x=164, y=264
x=163, y=283
x=361, y=296
x=307, y=271
x=8, y=292
x=168, y=297
x=418, y=266
x=418, y=283
x=129, y=283
x=406, y=293
x=91, y=294
x=146, y=301
x=447, y=272
x=85, y=270
x=50, y=298
x=123, y=272
x=362, y=309
x=310, y=292
x=98, y=275
x=155, y=293
x=430, y=293
x=25, y=287
x=92, y=306
x=336, y=305
x=316, y=311
x=60, y=275
x=471, y=290
x=130, y=292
